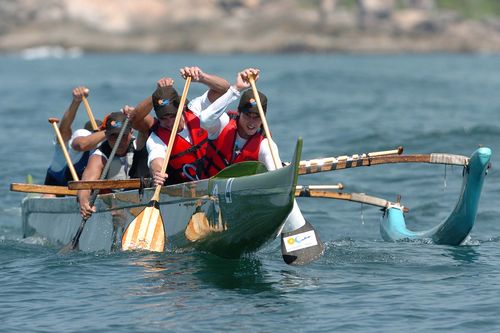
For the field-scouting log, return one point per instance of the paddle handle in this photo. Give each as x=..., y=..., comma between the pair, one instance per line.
x=251, y=79
x=90, y=114
x=173, y=134
x=54, y=122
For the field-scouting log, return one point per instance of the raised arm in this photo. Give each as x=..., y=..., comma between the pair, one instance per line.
x=214, y=117
x=217, y=86
x=69, y=115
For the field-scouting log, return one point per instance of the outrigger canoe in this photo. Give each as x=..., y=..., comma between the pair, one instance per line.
x=235, y=212
x=457, y=226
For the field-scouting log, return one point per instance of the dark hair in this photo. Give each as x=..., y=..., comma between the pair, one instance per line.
x=88, y=125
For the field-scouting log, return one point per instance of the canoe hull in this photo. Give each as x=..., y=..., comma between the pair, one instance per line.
x=454, y=229
x=225, y=216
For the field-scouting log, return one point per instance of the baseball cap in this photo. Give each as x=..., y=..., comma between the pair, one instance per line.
x=113, y=122
x=249, y=104
x=165, y=101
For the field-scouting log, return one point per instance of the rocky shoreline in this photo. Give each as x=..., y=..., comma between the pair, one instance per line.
x=238, y=26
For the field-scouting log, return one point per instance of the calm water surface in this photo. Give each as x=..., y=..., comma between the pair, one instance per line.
x=339, y=105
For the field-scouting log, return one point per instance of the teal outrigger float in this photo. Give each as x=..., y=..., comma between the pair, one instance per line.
x=233, y=213
x=454, y=229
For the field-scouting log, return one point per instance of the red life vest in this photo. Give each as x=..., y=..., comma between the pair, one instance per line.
x=220, y=151
x=187, y=159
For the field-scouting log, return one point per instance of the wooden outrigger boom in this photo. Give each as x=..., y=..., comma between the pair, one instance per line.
x=348, y=162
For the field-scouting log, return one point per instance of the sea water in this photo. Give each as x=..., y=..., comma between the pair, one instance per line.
x=339, y=105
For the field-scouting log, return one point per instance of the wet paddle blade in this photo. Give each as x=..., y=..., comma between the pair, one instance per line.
x=146, y=231
x=301, y=246
x=67, y=248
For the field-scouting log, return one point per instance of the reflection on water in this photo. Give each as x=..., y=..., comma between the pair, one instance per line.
x=464, y=254
x=169, y=271
x=245, y=275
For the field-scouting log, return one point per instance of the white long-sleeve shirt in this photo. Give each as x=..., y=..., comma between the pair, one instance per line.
x=214, y=119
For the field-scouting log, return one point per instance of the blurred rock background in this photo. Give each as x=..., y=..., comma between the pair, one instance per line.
x=232, y=26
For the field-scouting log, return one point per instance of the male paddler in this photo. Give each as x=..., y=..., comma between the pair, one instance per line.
x=238, y=136
x=79, y=143
x=186, y=160
x=130, y=161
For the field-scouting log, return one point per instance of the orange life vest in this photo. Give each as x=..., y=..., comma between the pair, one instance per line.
x=220, y=152
x=187, y=159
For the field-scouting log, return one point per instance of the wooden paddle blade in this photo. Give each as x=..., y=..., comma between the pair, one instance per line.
x=146, y=231
x=301, y=246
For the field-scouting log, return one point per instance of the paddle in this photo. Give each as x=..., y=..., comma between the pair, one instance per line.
x=73, y=244
x=306, y=251
x=89, y=113
x=54, y=122
x=146, y=231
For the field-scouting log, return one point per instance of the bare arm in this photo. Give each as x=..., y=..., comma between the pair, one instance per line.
x=155, y=169
x=92, y=172
x=89, y=142
x=139, y=116
x=156, y=155
x=69, y=115
x=217, y=86
x=140, y=142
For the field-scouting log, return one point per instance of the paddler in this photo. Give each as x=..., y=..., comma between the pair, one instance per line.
x=130, y=160
x=238, y=136
x=187, y=157
x=79, y=143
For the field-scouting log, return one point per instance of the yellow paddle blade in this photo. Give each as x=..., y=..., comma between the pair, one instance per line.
x=145, y=232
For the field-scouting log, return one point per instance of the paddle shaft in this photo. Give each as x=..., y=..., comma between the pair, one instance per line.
x=54, y=122
x=147, y=231
x=251, y=79
x=90, y=114
x=104, y=172
x=76, y=239
x=173, y=134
